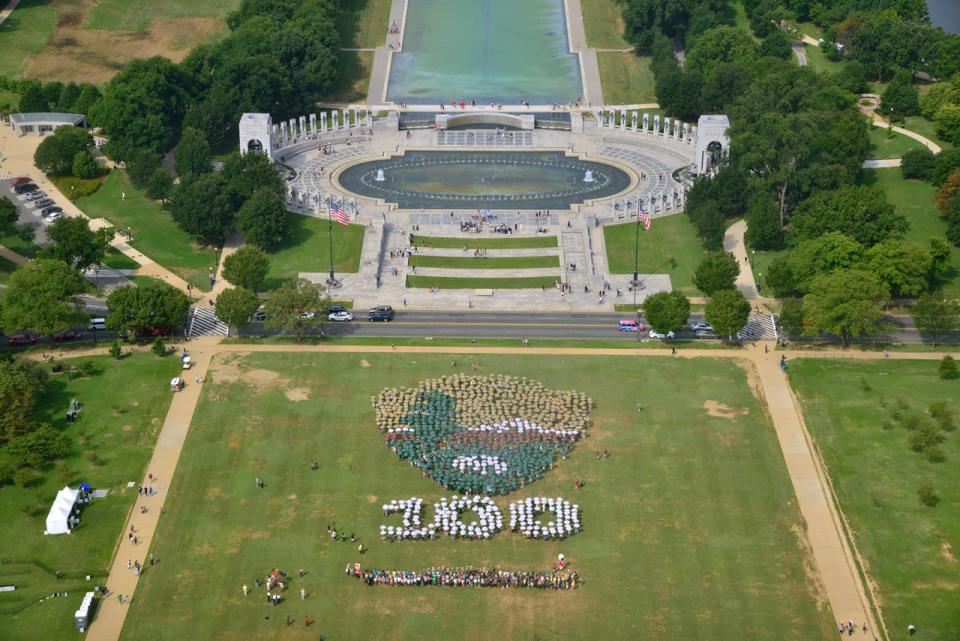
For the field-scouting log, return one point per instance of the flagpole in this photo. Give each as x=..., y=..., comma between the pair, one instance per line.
x=332, y=281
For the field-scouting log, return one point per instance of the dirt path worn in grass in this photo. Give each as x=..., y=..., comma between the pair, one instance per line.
x=832, y=559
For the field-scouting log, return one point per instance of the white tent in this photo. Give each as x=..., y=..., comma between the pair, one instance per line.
x=58, y=520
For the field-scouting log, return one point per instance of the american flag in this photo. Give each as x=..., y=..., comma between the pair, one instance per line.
x=337, y=213
x=642, y=218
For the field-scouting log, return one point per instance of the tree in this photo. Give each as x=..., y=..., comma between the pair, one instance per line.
x=89, y=96
x=934, y=314
x=288, y=309
x=192, y=157
x=249, y=173
x=203, y=209
x=791, y=317
x=74, y=243
x=860, y=211
x=156, y=305
x=57, y=153
x=727, y=311
x=33, y=99
x=84, y=166
x=822, y=255
x=263, y=219
x=853, y=77
x=947, y=123
x=763, y=226
x=159, y=185
x=38, y=297
x=159, y=347
x=718, y=45
x=900, y=97
x=8, y=217
x=718, y=270
x=115, y=351
x=68, y=97
x=246, y=267
x=918, y=164
x=948, y=161
x=940, y=256
x=948, y=368
x=141, y=165
x=235, y=306
x=667, y=311
x=904, y=267
x=776, y=45
x=847, y=303
x=22, y=384
x=938, y=95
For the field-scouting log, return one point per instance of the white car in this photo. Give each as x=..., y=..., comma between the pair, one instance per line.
x=701, y=326
x=655, y=334
x=52, y=216
x=340, y=316
x=307, y=314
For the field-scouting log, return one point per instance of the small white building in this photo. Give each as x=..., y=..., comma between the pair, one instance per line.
x=58, y=520
x=44, y=122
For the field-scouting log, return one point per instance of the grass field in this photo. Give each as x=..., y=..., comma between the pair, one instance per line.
x=485, y=242
x=876, y=477
x=307, y=249
x=23, y=247
x=924, y=127
x=27, y=30
x=124, y=404
x=118, y=260
x=666, y=551
x=884, y=146
x=603, y=25
x=135, y=15
x=154, y=232
x=353, y=79
x=912, y=198
x=454, y=282
x=497, y=262
x=363, y=23
x=626, y=78
x=818, y=62
x=670, y=247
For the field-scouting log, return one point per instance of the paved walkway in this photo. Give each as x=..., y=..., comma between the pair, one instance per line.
x=230, y=245
x=881, y=164
x=832, y=556
x=8, y=10
x=733, y=242
x=12, y=256
x=799, y=52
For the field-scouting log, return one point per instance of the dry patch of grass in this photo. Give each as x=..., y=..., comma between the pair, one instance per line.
x=718, y=409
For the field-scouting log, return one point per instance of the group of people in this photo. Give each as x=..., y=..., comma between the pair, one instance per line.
x=468, y=577
x=523, y=517
x=481, y=435
x=446, y=519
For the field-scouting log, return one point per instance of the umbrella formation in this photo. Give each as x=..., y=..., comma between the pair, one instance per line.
x=446, y=519
x=523, y=518
x=481, y=434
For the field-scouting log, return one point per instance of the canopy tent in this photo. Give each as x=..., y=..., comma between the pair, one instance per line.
x=58, y=520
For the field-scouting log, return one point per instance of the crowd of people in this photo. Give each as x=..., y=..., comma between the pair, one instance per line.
x=481, y=435
x=523, y=517
x=468, y=577
x=446, y=519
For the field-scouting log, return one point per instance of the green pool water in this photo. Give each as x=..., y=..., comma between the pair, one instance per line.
x=501, y=51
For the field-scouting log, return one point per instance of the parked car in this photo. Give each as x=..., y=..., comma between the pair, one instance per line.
x=340, y=316
x=49, y=209
x=655, y=334
x=20, y=180
x=25, y=188
x=97, y=323
x=33, y=195
x=382, y=308
x=23, y=339
x=382, y=315
x=52, y=216
x=259, y=315
x=698, y=326
x=44, y=202
x=333, y=309
x=307, y=314
x=629, y=326
x=706, y=333
x=67, y=335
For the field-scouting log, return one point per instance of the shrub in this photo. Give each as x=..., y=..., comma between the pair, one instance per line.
x=935, y=454
x=928, y=496
x=918, y=163
x=948, y=368
x=914, y=420
x=159, y=348
x=87, y=368
x=115, y=350
x=940, y=411
x=864, y=385
x=77, y=188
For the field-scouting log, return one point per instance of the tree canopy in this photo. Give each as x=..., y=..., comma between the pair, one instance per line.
x=289, y=306
x=38, y=297
x=57, y=154
x=263, y=219
x=846, y=303
x=727, y=311
x=667, y=311
x=74, y=243
x=718, y=270
x=156, y=305
x=246, y=267
x=235, y=305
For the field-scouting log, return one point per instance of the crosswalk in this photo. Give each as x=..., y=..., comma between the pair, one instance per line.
x=204, y=322
x=759, y=327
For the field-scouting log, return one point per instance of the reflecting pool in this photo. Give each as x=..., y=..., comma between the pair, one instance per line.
x=485, y=50
x=484, y=180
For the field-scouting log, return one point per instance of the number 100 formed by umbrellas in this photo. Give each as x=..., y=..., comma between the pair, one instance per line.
x=481, y=434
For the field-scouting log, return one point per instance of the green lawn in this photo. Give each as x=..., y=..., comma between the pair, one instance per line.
x=818, y=62
x=912, y=198
x=453, y=282
x=884, y=146
x=353, y=77
x=118, y=260
x=484, y=242
x=876, y=477
x=154, y=232
x=124, y=405
x=17, y=244
x=6, y=268
x=143, y=281
x=471, y=262
x=603, y=25
x=677, y=542
x=670, y=247
x=363, y=23
x=307, y=249
x=924, y=127
x=8, y=97
x=741, y=21
x=27, y=30
x=135, y=15
x=626, y=78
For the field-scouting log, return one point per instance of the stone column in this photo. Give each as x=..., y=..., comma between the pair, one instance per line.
x=303, y=127
x=686, y=132
x=646, y=123
x=666, y=127
x=634, y=124
x=323, y=121
x=656, y=123
x=313, y=125
x=292, y=123
x=343, y=119
x=623, y=119
x=276, y=134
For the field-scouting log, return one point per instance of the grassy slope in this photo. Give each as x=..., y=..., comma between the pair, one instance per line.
x=876, y=477
x=154, y=232
x=135, y=15
x=670, y=247
x=307, y=249
x=27, y=30
x=884, y=146
x=603, y=24
x=499, y=262
x=626, y=78
x=363, y=23
x=124, y=406
x=23, y=247
x=667, y=551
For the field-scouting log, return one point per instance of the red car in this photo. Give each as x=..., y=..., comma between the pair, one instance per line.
x=68, y=335
x=22, y=339
x=20, y=180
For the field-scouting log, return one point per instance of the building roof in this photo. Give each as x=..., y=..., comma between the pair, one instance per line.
x=47, y=116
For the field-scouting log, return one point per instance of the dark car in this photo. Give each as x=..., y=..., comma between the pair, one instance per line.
x=44, y=202
x=381, y=308
x=333, y=309
x=52, y=209
x=22, y=339
x=68, y=335
x=383, y=315
x=259, y=315
x=24, y=188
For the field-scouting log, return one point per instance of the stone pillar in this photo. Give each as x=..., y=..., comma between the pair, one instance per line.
x=323, y=121
x=656, y=123
x=623, y=119
x=292, y=124
x=303, y=127
x=343, y=119
x=646, y=122
x=686, y=132
x=666, y=127
x=313, y=124
x=276, y=134
x=634, y=124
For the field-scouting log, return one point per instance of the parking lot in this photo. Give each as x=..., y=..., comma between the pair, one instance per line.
x=27, y=211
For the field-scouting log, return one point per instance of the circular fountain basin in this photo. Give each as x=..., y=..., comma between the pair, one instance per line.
x=484, y=180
